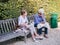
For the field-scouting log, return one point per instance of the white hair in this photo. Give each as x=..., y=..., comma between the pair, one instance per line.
x=41, y=10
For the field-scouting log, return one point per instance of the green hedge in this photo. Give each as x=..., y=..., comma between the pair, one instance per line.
x=12, y=8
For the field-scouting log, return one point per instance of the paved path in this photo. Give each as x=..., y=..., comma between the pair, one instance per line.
x=54, y=39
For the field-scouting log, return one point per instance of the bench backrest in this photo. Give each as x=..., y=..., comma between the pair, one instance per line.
x=7, y=25
x=10, y=24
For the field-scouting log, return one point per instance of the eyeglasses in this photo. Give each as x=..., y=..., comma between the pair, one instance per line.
x=39, y=13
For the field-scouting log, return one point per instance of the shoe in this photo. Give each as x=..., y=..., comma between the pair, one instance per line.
x=45, y=36
x=41, y=37
x=35, y=40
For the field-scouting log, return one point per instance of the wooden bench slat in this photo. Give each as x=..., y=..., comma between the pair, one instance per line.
x=11, y=25
x=7, y=26
x=0, y=28
x=4, y=27
x=2, y=31
x=14, y=25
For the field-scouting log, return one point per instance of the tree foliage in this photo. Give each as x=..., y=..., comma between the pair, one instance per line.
x=12, y=8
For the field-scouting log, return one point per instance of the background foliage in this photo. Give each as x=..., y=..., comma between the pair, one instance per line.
x=12, y=8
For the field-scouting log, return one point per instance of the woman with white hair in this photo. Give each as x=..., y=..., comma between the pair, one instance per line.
x=40, y=23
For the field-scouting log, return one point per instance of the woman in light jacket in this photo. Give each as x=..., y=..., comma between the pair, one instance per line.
x=23, y=23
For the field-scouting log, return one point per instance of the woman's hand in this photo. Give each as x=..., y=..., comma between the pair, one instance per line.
x=42, y=22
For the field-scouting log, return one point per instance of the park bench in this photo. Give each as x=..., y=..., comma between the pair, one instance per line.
x=8, y=28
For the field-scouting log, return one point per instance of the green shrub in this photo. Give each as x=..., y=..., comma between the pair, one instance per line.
x=12, y=8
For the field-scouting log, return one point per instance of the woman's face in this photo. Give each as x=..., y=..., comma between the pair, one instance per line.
x=40, y=14
x=25, y=14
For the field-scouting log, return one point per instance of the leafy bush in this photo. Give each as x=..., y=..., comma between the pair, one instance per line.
x=12, y=8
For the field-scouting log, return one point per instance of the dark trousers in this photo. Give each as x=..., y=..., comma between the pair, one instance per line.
x=39, y=31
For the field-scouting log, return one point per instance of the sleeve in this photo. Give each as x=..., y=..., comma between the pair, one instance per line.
x=26, y=19
x=19, y=20
x=36, y=20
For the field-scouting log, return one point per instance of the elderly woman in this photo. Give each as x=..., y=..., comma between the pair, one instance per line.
x=23, y=23
x=40, y=23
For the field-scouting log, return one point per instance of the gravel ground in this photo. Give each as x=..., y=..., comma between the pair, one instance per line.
x=54, y=39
